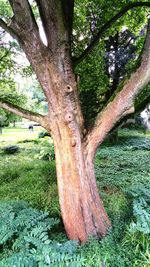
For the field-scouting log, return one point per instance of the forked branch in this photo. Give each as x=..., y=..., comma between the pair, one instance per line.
x=23, y=20
x=123, y=103
x=53, y=20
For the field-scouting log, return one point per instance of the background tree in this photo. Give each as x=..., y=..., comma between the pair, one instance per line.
x=112, y=60
x=3, y=119
x=75, y=146
x=17, y=82
x=8, y=68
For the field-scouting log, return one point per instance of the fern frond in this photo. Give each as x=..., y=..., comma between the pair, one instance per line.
x=141, y=211
x=21, y=259
x=140, y=191
x=5, y=235
x=27, y=231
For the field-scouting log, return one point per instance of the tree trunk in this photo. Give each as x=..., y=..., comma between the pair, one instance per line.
x=81, y=207
x=82, y=210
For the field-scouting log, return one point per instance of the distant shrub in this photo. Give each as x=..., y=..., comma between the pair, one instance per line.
x=10, y=149
x=43, y=134
x=46, y=153
x=35, y=141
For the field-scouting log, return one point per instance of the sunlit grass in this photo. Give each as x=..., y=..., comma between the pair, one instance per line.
x=17, y=134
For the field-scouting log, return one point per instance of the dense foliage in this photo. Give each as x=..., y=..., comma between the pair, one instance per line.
x=114, y=57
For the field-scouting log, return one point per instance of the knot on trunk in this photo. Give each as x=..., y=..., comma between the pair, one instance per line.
x=84, y=131
x=67, y=46
x=69, y=89
x=73, y=142
x=69, y=117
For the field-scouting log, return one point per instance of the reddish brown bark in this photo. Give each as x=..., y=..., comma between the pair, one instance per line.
x=81, y=207
x=82, y=210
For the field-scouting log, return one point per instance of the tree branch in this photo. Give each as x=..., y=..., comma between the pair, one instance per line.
x=123, y=103
x=138, y=109
x=8, y=29
x=24, y=113
x=23, y=22
x=48, y=18
x=24, y=25
x=106, y=26
x=53, y=20
x=68, y=8
x=22, y=11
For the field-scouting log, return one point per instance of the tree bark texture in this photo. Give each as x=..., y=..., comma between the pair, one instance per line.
x=81, y=207
x=82, y=210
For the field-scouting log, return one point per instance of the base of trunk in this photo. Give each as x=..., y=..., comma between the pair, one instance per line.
x=82, y=210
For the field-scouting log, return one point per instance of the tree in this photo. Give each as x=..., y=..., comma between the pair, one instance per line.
x=111, y=61
x=8, y=91
x=3, y=119
x=82, y=209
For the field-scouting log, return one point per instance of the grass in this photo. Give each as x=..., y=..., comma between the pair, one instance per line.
x=23, y=176
x=118, y=168
x=15, y=134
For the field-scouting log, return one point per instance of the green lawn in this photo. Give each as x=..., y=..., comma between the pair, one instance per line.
x=120, y=169
x=18, y=134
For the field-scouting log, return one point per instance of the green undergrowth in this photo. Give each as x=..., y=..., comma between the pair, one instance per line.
x=123, y=179
x=24, y=176
x=25, y=238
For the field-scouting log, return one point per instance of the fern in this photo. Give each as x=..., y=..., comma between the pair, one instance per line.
x=46, y=153
x=141, y=209
x=17, y=221
x=140, y=191
x=27, y=230
x=21, y=259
